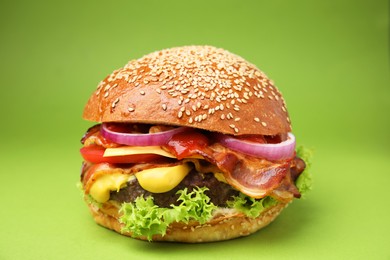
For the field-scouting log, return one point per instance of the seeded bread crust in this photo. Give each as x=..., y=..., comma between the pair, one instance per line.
x=196, y=86
x=223, y=226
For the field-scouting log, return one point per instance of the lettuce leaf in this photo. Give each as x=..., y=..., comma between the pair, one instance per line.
x=250, y=206
x=143, y=218
x=88, y=198
x=305, y=181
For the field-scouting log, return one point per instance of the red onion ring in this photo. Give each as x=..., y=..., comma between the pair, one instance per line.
x=271, y=152
x=160, y=138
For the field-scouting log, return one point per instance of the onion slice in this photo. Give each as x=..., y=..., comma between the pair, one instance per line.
x=271, y=152
x=160, y=138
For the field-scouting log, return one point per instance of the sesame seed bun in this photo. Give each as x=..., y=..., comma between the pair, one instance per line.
x=226, y=224
x=197, y=86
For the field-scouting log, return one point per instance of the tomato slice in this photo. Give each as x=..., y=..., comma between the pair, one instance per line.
x=94, y=154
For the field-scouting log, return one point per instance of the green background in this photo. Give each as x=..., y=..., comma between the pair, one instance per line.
x=330, y=59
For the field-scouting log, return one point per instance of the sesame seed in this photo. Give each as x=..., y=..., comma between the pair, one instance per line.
x=107, y=87
x=131, y=109
x=256, y=119
x=264, y=124
x=142, y=92
x=180, y=114
x=133, y=79
x=114, y=103
x=164, y=106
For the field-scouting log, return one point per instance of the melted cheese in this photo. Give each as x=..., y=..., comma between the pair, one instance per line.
x=156, y=180
x=130, y=150
x=220, y=177
x=101, y=188
x=162, y=179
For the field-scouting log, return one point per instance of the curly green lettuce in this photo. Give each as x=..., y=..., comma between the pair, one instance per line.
x=250, y=206
x=143, y=218
x=304, y=181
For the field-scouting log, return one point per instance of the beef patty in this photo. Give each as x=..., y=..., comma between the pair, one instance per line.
x=218, y=192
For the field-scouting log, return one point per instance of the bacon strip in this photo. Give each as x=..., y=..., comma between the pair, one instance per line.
x=252, y=176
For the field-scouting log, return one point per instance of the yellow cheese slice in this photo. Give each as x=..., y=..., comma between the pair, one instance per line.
x=162, y=179
x=130, y=150
x=101, y=188
x=220, y=177
x=156, y=180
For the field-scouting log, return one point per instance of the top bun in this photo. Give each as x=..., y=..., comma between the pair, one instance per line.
x=197, y=86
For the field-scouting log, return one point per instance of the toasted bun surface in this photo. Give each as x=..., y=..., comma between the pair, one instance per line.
x=196, y=86
x=223, y=226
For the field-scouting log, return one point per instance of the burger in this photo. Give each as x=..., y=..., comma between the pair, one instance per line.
x=190, y=144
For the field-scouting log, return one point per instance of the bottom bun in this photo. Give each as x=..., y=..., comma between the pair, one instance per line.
x=225, y=224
